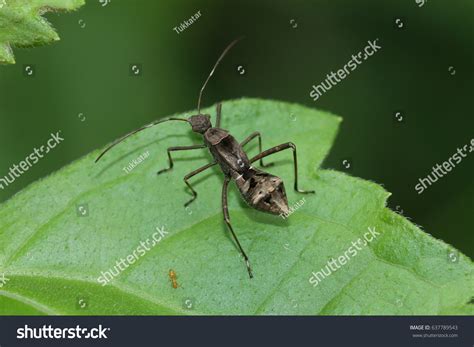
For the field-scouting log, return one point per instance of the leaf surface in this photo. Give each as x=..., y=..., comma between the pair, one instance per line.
x=53, y=256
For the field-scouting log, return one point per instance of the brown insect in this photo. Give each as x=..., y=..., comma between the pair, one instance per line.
x=173, y=277
x=261, y=190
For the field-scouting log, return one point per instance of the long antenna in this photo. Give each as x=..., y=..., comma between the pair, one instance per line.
x=214, y=68
x=116, y=142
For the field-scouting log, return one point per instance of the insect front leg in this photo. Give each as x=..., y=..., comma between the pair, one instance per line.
x=225, y=211
x=218, y=115
x=180, y=148
x=277, y=149
x=250, y=138
x=191, y=174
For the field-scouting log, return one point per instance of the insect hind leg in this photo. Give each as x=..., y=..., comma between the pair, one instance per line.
x=250, y=138
x=277, y=149
x=225, y=211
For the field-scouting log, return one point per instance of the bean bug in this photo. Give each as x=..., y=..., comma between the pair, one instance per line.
x=259, y=189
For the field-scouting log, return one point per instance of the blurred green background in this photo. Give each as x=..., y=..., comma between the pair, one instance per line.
x=83, y=86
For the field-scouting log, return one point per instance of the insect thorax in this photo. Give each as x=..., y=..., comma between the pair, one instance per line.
x=227, y=151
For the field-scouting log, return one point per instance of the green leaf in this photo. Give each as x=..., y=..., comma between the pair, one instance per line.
x=53, y=257
x=22, y=24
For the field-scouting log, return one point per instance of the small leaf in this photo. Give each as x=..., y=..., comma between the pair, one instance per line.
x=62, y=233
x=22, y=24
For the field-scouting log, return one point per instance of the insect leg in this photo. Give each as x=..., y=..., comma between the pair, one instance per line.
x=191, y=174
x=218, y=115
x=277, y=149
x=250, y=138
x=225, y=210
x=180, y=148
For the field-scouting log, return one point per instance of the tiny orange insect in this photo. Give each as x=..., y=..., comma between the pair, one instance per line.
x=172, y=275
